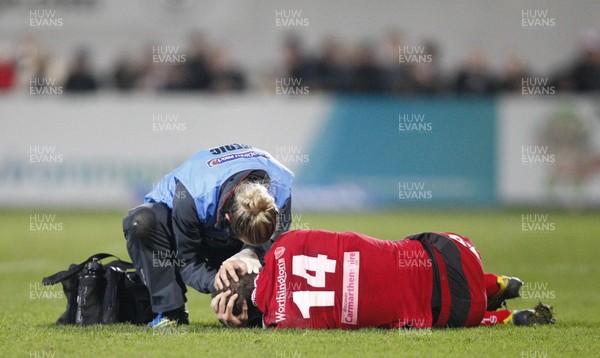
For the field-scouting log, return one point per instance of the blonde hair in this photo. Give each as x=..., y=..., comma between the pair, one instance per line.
x=254, y=213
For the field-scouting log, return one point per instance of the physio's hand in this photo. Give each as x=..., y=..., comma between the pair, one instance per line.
x=222, y=304
x=228, y=267
x=249, y=258
x=246, y=260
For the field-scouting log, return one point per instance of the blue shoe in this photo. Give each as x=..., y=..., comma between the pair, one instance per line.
x=170, y=319
x=162, y=321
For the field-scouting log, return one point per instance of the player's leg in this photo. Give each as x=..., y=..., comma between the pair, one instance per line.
x=462, y=285
x=491, y=318
x=472, y=268
x=491, y=284
x=540, y=314
x=500, y=288
x=152, y=249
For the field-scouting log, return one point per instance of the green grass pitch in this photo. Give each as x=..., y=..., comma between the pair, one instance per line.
x=559, y=261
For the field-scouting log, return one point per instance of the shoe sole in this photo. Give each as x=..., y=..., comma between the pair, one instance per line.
x=164, y=324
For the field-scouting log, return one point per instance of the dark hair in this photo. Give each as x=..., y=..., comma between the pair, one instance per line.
x=244, y=288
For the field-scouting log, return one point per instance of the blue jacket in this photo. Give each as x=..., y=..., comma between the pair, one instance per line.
x=205, y=172
x=204, y=239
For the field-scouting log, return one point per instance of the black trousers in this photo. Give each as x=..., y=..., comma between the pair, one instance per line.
x=152, y=247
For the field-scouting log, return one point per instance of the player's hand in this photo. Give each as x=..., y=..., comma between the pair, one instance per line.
x=222, y=305
x=228, y=267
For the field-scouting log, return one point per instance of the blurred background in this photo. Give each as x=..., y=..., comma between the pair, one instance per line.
x=377, y=105
x=478, y=117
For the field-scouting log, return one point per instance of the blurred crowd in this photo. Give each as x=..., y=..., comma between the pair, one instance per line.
x=388, y=66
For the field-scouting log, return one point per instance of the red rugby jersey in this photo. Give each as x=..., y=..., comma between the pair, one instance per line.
x=321, y=279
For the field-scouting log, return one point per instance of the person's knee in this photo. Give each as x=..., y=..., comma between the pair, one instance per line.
x=139, y=223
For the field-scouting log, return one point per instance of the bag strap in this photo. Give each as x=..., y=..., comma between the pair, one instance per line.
x=120, y=264
x=67, y=274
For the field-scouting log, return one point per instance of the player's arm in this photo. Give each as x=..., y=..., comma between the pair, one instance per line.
x=222, y=305
x=235, y=306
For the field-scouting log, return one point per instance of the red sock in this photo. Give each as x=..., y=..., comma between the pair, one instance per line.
x=495, y=317
x=491, y=284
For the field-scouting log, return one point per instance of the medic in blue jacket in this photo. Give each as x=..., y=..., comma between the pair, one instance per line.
x=218, y=211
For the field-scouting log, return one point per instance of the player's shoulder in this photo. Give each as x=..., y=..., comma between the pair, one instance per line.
x=298, y=240
x=318, y=234
x=295, y=236
x=300, y=233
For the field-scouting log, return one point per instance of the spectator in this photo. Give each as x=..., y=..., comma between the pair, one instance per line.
x=126, y=74
x=205, y=67
x=513, y=74
x=331, y=70
x=27, y=56
x=7, y=69
x=197, y=75
x=586, y=74
x=397, y=75
x=176, y=79
x=151, y=76
x=426, y=75
x=81, y=79
x=475, y=77
x=368, y=75
x=562, y=80
x=226, y=77
x=297, y=64
x=39, y=80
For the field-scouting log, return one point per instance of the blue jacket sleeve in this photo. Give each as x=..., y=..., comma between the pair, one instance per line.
x=199, y=276
x=197, y=272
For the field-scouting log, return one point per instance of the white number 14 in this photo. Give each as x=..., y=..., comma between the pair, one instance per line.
x=320, y=265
